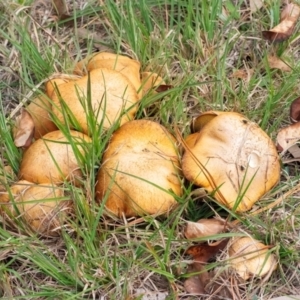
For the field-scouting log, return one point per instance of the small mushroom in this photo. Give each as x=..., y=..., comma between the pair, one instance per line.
x=113, y=99
x=52, y=159
x=232, y=157
x=249, y=257
x=140, y=170
x=41, y=206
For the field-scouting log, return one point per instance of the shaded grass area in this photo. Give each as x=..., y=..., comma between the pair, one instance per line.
x=197, y=46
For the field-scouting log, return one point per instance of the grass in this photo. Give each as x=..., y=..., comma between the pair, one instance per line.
x=197, y=46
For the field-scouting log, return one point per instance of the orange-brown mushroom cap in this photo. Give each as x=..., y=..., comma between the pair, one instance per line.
x=233, y=157
x=140, y=170
x=113, y=99
x=52, y=159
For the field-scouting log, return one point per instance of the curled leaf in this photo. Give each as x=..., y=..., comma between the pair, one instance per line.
x=204, y=228
x=276, y=63
x=24, y=129
x=201, y=254
x=285, y=28
x=295, y=111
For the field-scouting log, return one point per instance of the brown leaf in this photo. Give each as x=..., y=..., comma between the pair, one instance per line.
x=288, y=136
x=24, y=129
x=62, y=11
x=245, y=74
x=202, y=253
x=163, y=87
x=196, y=284
x=60, y=7
x=204, y=228
x=285, y=28
x=276, y=63
x=256, y=5
x=295, y=111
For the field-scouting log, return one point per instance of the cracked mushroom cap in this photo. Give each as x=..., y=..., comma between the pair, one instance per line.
x=41, y=206
x=52, y=159
x=233, y=157
x=140, y=170
x=113, y=99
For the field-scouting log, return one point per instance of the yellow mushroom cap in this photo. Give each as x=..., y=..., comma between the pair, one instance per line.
x=140, y=167
x=52, y=159
x=232, y=156
x=249, y=257
x=113, y=99
x=39, y=109
x=41, y=206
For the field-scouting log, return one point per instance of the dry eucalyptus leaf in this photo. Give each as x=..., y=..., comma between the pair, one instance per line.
x=204, y=228
x=276, y=63
x=288, y=136
x=249, y=257
x=24, y=129
x=244, y=74
x=295, y=111
x=201, y=254
x=288, y=20
x=196, y=284
x=255, y=5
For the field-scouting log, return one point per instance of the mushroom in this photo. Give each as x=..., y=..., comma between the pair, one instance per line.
x=128, y=67
x=112, y=99
x=150, y=80
x=249, y=257
x=140, y=170
x=231, y=157
x=40, y=109
x=41, y=206
x=52, y=159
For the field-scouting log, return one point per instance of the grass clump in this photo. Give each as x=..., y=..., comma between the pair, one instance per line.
x=198, y=47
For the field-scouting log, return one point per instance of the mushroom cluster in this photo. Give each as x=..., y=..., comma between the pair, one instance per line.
x=106, y=87
x=141, y=170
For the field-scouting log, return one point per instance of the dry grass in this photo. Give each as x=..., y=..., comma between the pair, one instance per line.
x=198, y=54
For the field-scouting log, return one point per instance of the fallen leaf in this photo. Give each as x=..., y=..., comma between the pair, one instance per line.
x=288, y=136
x=202, y=253
x=285, y=28
x=276, y=63
x=204, y=228
x=295, y=111
x=60, y=7
x=196, y=284
x=243, y=74
x=62, y=11
x=24, y=129
x=255, y=5
x=163, y=87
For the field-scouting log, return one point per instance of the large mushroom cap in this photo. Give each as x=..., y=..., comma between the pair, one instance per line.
x=113, y=99
x=140, y=170
x=233, y=157
x=52, y=159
